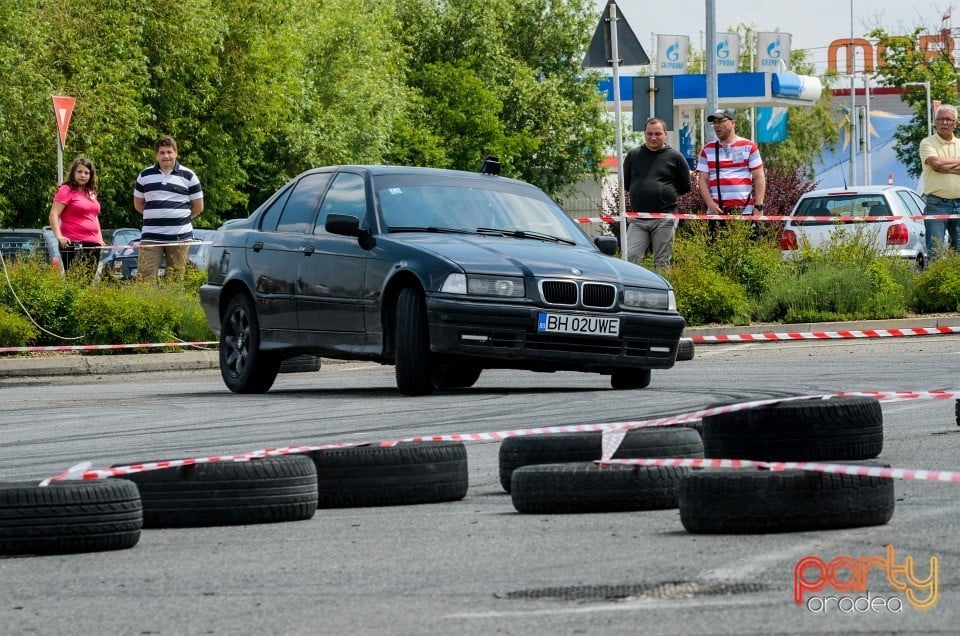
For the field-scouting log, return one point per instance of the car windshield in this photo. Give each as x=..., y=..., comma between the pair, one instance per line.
x=462, y=208
x=852, y=205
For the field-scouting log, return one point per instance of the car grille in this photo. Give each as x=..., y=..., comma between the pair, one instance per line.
x=570, y=293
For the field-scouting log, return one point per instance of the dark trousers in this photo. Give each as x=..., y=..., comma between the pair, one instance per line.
x=81, y=254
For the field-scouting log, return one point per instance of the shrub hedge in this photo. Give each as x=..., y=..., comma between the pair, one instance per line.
x=734, y=277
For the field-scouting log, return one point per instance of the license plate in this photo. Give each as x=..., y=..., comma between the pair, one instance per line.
x=582, y=325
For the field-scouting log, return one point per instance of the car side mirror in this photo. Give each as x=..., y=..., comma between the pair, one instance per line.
x=343, y=224
x=607, y=244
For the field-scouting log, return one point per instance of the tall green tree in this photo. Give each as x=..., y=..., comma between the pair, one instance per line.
x=905, y=63
x=502, y=77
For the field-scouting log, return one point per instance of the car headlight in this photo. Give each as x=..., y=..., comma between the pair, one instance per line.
x=499, y=286
x=648, y=298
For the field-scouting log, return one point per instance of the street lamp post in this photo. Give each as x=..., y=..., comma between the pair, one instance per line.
x=926, y=87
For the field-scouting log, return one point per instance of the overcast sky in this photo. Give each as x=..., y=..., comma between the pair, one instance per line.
x=813, y=24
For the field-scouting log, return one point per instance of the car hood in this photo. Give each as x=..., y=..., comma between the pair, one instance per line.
x=527, y=257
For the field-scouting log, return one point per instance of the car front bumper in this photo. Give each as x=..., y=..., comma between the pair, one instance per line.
x=506, y=335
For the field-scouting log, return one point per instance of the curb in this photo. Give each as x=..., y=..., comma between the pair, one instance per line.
x=115, y=364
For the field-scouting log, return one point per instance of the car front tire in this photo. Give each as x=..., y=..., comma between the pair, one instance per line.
x=245, y=368
x=622, y=379
x=414, y=368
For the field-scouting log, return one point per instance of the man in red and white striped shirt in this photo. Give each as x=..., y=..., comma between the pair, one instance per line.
x=730, y=173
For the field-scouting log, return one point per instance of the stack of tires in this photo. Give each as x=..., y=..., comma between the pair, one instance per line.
x=846, y=430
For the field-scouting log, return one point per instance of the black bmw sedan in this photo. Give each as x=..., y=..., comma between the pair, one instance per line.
x=440, y=273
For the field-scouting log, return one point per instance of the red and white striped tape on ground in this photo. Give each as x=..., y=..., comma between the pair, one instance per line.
x=824, y=335
x=147, y=345
x=758, y=217
x=612, y=432
x=83, y=471
x=864, y=471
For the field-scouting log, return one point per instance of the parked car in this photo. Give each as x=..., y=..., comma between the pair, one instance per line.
x=26, y=243
x=903, y=237
x=117, y=239
x=122, y=262
x=441, y=273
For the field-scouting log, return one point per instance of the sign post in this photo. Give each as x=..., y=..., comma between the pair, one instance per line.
x=62, y=110
x=614, y=43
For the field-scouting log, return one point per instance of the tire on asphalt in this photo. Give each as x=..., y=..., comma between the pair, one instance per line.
x=414, y=368
x=245, y=368
x=628, y=378
x=408, y=473
x=846, y=428
x=749, y=501
x=685, y=350
x=303, y=363
x=69, y=516
x=589, y=487
x=455, y=375
x=266, y=490
x=562, y=448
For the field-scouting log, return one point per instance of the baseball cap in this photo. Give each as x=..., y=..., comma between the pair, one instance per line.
x=723, y=113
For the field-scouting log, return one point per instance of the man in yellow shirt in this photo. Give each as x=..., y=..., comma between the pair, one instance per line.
x=940, y=156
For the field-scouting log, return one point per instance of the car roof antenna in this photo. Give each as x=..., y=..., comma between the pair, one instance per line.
x=490, y=165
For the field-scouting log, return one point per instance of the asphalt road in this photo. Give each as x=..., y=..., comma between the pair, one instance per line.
x=474, y=566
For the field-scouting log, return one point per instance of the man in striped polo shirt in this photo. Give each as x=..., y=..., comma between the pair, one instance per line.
x=168, y=196
x=730, y=172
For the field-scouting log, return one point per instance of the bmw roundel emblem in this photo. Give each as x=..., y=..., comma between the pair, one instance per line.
x=575, y=271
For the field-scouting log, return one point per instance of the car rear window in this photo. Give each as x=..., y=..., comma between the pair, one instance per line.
x=854, y=205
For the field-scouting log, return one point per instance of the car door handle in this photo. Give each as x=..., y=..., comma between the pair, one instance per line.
x=309, y=249
x=258, y=246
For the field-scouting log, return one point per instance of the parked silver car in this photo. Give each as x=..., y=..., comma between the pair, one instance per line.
x=853, y=212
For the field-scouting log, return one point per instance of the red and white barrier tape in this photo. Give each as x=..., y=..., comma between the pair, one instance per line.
x=825, y=335
x=711, y=339
x=759, y=217
x=612, y=432
x=134, y=246
x=82, y=471
x=147, y=345
x=844, y=469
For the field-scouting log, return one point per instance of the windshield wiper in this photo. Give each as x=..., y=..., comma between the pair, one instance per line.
x=523, y=234
x=431, y=228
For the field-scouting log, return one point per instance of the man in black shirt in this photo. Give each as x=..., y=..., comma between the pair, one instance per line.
x=655, y=176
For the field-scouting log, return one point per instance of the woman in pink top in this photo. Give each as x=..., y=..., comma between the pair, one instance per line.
x=74, y=216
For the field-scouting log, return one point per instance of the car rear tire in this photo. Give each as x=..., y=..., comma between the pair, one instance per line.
x=455, y=376
x=622, y=379
x=685, y=350
x=414, y=367
x=245, y=368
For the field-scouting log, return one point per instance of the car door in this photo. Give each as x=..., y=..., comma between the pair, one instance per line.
x=274, y=252
x=330, y=294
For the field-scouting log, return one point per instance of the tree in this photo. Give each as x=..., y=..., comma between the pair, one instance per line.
x=906, y=63
x=506, y=74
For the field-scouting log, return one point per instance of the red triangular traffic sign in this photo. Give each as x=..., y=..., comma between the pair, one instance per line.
x=63, y=109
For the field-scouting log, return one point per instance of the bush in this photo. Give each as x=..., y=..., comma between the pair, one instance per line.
x=938, y=287
x=31, y=287
x=15, y=330
x=705, y=296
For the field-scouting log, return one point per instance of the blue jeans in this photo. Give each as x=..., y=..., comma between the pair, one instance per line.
x=935, y=229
